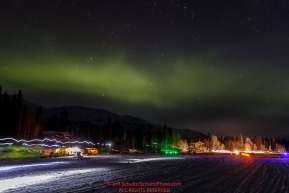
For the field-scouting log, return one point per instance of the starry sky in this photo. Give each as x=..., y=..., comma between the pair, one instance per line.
x=212, y=66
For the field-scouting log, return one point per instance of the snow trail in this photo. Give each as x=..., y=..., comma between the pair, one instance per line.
x=195, y=173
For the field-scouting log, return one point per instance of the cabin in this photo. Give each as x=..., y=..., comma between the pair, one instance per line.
x=197, y=147
x=90, y=150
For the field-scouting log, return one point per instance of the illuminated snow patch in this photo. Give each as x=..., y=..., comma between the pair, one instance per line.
x=3, y=168
x=6, y=184
x=221, y=151
x=22, y=181
x=150, y=159
x=256, y=152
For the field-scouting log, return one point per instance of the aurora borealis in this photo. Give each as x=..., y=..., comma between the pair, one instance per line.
x=218, y=67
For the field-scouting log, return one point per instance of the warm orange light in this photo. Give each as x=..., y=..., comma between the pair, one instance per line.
x=245, y=154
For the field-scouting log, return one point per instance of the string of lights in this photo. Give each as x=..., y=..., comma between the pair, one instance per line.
x=6, y=144
x=42, y=145
x=43, y=140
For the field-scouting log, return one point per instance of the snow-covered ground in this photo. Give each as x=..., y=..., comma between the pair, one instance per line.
x=145, y=173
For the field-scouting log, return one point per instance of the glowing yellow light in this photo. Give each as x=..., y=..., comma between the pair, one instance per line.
x=75, y=149
x=245, y=154
x=237, y=152
x=72, y=150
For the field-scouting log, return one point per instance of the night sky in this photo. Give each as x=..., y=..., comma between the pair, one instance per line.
x=212, y=66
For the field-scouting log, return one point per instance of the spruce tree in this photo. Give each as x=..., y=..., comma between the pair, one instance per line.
x=39, y=122
x=108, y=130
x=63, y=122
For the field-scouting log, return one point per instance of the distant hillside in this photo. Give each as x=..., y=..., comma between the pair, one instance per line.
x=190, y=135
x=81, y=117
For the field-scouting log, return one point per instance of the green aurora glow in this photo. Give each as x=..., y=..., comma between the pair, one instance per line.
x=117, y=78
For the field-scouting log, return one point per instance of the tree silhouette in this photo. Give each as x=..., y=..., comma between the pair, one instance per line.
x=108, y=130
x=124, y=139
x=39, y=122
x=63, y=122
x=165, y=137
x=99, y=136
x=19, y=111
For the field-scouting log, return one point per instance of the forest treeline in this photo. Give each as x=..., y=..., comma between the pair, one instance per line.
x=239, y=143
x=113, y=133
x=17, y=121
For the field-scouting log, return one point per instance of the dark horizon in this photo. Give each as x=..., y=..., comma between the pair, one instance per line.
x=203, y=128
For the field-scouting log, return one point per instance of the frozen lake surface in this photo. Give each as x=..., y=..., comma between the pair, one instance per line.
x=145, y=173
